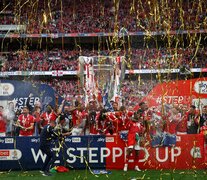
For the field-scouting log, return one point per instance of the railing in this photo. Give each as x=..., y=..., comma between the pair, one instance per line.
x=101, y=34
x=72, y=73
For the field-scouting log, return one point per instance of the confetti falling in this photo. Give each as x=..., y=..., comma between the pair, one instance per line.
x=147, y=16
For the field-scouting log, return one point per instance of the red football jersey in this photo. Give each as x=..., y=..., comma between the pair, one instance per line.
x=26, y=121
x=46, y=118
x=182, y=125
x=135, y=127
x=2, y=124
x=112, y=117
x=172, y=123
x=125, y=117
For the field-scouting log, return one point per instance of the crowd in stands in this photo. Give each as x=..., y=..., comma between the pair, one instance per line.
x=4, y=20
x=41, y=61
x=140, y=59
x=168, y=59
x=64, y=87
x=103, y=16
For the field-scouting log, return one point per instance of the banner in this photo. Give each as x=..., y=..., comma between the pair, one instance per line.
x=18, y=93
x=78, y=152
x=66, y=73
x=187, y=154
x=100, y=152
x=12, y=27
x=193, y=91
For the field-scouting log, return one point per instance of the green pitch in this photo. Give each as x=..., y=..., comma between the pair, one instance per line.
x=115, y=175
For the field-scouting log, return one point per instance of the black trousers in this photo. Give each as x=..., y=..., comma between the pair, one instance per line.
x=50, y=159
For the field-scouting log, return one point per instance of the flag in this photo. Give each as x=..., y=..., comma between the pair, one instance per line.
x=57, y=73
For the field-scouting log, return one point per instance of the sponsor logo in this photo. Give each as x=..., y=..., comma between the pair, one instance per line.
x=10, y=154
x=109, y=139
x=6, y=89
x=35, y=140
x=201, y=87
x=1, y=140
x=4, y=153
x=101, y=140
x=178, y=138
x=9, y=140
x=68, y=140
x=76, y=139
x=196, y=152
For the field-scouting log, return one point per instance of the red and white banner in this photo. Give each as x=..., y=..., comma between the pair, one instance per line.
x=187, y=154
x=103, y=152
x=193, y=91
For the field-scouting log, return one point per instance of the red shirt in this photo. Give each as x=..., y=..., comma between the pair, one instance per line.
x=78, y=117
x=47, y=118
x=2, y=124
x=203, y=130
x=173, y=123
x=104, y=125
x=135, y=127
x=182, y=125
x=125, y=118
x=172, y=127
x=37, y=116
x=113, y=118
x=26, y=121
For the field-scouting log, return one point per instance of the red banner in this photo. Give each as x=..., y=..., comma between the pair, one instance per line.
x=187, y=154
x=188, y=92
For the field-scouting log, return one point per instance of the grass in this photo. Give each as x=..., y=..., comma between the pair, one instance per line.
x=115, y=175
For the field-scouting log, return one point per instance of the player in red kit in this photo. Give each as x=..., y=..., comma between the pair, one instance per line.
x=26, y=123
x=92, y=116
x=79, y=116
x=113, y=122
x=136, y=130
x=47, y=116
x=2, y=122
x=124, y=116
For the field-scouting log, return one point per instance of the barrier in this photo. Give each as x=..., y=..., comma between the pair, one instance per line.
x=102, y=153
x=187, y=154
x=101, y=34
x=74, y=73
